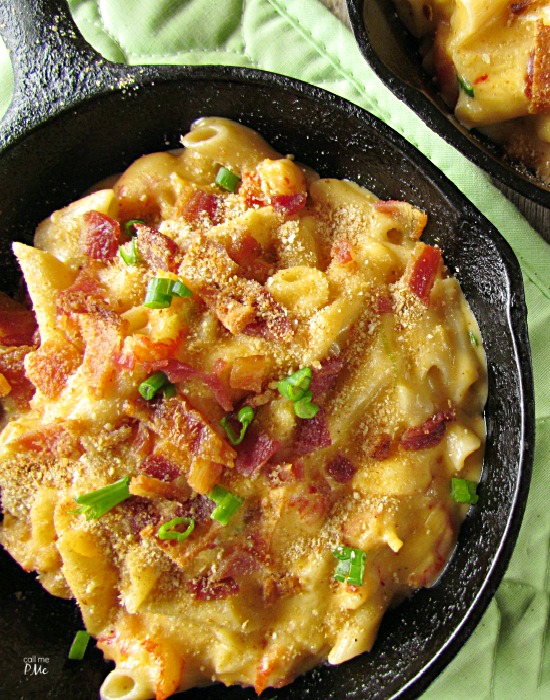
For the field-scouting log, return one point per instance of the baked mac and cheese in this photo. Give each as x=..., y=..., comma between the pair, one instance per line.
x=492, y=64
x=249, y=420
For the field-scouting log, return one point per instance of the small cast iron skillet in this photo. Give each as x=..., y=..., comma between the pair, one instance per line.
x=392, y=52
x=76, y=119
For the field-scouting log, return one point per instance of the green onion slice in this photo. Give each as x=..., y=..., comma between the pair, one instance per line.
x=464, y=491
x=473, y=339
x=96, y=503
x=79, y=645
x=160, y=291
x=226, y=179
x=168, y=530
x=130, y=254
x=465, y=86
x=227, y=504
x=150, y=386
x=130, y=226
x=305, y=408
x=351, y=565
x=244, y=416
x=169, y=390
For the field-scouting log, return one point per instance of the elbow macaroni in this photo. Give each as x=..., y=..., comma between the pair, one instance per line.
x=288, y=271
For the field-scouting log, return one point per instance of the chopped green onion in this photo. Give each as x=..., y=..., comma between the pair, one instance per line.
x=296, y=388
x=244, y=416
x=464, y=491
x=227, y=504
x=226, y=179
x=305, y=408
x=160, y=291
x=465, y=86
x=130, y=226
x=150, y=386
x=351, y=565
x=96, y=503
x=168, y=530
x=129, y=256
x=169, y=390
x=473, y=339
x=180, y=290
x=79, y=645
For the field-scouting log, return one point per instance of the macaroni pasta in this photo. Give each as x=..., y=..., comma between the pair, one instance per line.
x=233, y=438
x=492, y=64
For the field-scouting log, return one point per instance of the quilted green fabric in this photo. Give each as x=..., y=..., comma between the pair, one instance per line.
x=508, y=656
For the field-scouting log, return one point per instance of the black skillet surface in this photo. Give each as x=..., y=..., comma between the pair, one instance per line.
x=77, y=119
x=393, y=54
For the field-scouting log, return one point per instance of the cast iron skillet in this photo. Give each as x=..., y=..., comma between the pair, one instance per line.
x=77, y=118
x=393, y=54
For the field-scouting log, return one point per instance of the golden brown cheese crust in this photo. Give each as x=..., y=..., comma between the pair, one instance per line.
x=289, y=271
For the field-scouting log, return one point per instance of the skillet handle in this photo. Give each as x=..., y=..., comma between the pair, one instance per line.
x=53, y=66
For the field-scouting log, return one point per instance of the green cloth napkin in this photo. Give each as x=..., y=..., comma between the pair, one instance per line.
x=508, y=655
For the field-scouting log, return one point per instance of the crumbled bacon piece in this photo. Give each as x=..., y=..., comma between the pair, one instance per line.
x=160, y=467
x=203, y=588
x=17, y=323
x=429, y=434
x=13, y=370
x=50, y=365
x=101, y=236
x=324, y=379
x=341, y=250
x=382, y=448
x=159, y=251
x=424, y=272
x=255, y=450
x=202, y=203
x=540, y=81
x=341, y=469
x=178, y=371
x=312, y=434
x=289, y=204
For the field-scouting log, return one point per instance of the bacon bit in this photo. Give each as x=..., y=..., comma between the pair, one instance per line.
x=187, y=438
x=160, y=467
x=151, y=487
x=383, y=448
x=481, y=79
x=17, y=323
x=13, y=369
x=202, y=203
x=140, y=513
x=53, y=439
x=341, y=250
x=289, y=204
x=341, y=469
x=312, y=434
x=255, y=450
x=429, y=434
x=159, y=251
x=424, y=272
x=540, y=87
x=384, y=304
x=143, y=350
x=248, y=373
x=202, y=588
x=313, y=505
x=49, y=367
x=178, y=371
x=285, y=472
x=103, y=336
x=251, y=190
x=101, y=236
x=324, y=379
x=518, y=7
x=142, y=441
x=246, y=253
